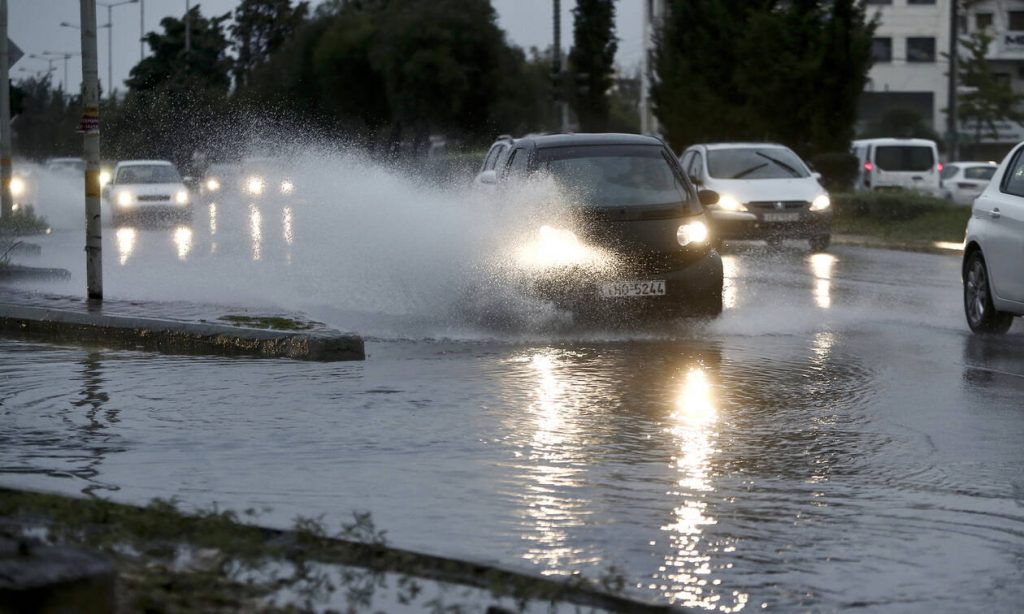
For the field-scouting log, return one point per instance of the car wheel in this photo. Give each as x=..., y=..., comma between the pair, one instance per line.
x=820, y=243
x=982, y=316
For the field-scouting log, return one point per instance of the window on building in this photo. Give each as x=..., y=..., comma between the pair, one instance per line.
x=982, y=21
x=881, y=49
x=921, y=49
x=920, y=1
x=1016, y=21
x=1003, y=78
x=961, y=24
x=878, y=2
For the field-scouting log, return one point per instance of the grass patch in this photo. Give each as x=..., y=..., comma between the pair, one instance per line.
x=268, y=322
x=23, y=222
x=899, y=216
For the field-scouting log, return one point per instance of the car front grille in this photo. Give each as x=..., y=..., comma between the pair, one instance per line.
x=154, y=198
x=778, y=205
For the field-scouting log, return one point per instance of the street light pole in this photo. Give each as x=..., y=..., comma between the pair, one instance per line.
x=6, y=200
x=142, y=30
x=110, y=42
x=90, y=126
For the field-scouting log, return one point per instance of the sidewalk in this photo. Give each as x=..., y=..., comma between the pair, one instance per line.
x=172, y=327
x=931, y=247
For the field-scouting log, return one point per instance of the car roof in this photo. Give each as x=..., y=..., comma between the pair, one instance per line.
x=894, y=141
x=973, y=163
x=741, y=145
x=144, y=163
x=566, y=140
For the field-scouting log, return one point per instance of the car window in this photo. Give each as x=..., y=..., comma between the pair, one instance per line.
x=696, y=168
x=492, y=157
x=949, y=172
x=685, y=159
x=520, y=159
x=148, y=173
x=1013, y=183
x=981, y=173
x=755, y=163
x=618, y=175
x=907, y=158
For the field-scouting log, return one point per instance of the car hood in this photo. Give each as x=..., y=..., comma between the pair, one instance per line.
x=749, y=190
x=150, y=189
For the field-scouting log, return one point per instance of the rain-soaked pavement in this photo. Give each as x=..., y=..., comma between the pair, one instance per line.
x=836, y=439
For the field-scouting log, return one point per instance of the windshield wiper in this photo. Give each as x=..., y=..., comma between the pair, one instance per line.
x=749, y=170
x=789, y=168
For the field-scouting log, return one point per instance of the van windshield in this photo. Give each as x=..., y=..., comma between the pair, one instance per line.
x=618, y=175
x=755, y=163
x=913, y=158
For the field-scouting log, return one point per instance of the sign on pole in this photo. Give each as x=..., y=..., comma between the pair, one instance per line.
x=14, y=53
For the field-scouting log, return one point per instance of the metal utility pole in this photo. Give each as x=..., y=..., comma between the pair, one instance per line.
x=91, y=127
x=110, y=42
x=142, y=30
x=188, y=27
x=6, y=201
x=952, y=125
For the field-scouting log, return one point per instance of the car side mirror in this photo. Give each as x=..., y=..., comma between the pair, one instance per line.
x=489, y=177
x=707, y=197
x=817, y=176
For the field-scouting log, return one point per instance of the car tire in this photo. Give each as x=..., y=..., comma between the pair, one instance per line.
x=981, y=314
x=820, y=243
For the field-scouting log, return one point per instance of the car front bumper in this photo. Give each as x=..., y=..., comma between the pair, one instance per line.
x=750, y=225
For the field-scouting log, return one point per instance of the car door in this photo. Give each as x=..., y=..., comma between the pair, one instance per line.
x=1002, y=213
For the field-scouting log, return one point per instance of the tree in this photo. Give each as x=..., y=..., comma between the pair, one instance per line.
x=261, y=27
x=591, y=62
x=169, y=67
x=784, y=70
x=985, y=99
x=901, y=123
x=45, y=127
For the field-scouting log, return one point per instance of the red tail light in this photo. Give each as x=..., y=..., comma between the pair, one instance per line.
x=938, y=167
x=868, y=166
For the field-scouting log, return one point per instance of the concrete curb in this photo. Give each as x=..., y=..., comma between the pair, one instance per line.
x=177, y=337
x=927, y=247
x=16, y=272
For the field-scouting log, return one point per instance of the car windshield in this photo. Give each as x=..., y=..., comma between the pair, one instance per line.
x=755, y=163
x=983, y=173
x=617, y=175
x=914, y=158
x=148, y=173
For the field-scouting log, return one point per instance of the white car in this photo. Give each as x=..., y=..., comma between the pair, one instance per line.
x=962, y=182
x=994, y=248
x=765, y=192
x=146, y=188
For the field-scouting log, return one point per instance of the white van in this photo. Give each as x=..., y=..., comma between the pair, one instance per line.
x=897, y=164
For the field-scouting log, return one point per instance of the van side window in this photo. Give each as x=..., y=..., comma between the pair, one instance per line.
x=685, y=160
x=1013, y=183
x=696, y=167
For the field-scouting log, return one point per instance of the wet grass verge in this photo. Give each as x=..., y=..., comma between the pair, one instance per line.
x=268, y=322
x=211, y=561
x=23, y=222
x=899, y=217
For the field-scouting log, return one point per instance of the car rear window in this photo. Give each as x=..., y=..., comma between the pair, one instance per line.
x=983, y=173
x=619, y=175
x=755, y=163
x=912, y=158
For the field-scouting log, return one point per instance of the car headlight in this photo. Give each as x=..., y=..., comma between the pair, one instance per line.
x=728, y=202
x=694, y=232
x=287, y=187
x=125, y=198
x=212, y=184
x=254, y=185
x=181, y=197
x=104, y=178
x=821, y=202
x=17, y=186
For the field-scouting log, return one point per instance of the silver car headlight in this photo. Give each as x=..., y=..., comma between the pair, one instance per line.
x=287, y=187
x=821, y=202
x=254, y=185
x=125, y=198
x=181, y=197
x=212, y=184
x=17, y=186
x=692, y=233
x=728, y=202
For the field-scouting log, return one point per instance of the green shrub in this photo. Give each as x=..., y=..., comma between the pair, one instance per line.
x=899, y=216
x=838, y=170
x=23, y=222
x=895, y=205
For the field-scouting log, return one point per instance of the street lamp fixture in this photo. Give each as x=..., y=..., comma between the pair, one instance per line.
x=61, y=55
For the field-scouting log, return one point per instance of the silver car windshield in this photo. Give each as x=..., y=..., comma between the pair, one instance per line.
x=755, y=163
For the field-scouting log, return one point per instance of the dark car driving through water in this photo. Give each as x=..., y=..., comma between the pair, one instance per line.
x=636, y=238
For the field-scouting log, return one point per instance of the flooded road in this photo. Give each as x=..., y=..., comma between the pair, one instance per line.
x=837, y=439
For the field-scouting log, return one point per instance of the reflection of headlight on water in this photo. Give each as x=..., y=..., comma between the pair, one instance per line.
x=287, y=187
x=556, y=247
x=254, y=185
x=17, y=186
x=692, y=233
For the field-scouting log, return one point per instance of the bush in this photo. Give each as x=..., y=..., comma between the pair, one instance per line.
x=838, y=170
x=889, y=206
x=23, y=222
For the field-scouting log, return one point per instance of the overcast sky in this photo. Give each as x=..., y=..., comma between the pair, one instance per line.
x=34, y=25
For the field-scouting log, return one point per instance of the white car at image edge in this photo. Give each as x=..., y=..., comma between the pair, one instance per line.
x=146, y=188
x=993, y=277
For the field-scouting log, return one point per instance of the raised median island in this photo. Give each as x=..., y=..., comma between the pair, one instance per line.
x=62, y=320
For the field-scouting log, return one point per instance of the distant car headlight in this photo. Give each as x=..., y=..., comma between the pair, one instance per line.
x=212, y=184
x=287, y=187
x=821, y=202
x=728, y=202
x=17, y=186
x=692, y=233
x=254, y=185
x=104, y=178
x=181, y=197
x=125, y=198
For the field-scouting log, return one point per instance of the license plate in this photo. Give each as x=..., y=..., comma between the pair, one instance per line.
x=781, y=217
x=617, y=289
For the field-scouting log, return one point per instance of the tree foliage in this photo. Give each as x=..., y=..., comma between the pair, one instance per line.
x=790, y=71
x=46, y=125
x=261, y=27
x=985, y=99
x=592, y=62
